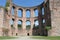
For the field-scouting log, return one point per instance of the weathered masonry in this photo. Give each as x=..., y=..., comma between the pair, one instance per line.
x=51, y=17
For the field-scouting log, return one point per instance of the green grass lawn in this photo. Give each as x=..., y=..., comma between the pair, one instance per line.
x=47, y=37
x=34, y=37
x=6, y=37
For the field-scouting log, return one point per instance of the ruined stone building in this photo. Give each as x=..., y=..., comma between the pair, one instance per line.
x=51, y=17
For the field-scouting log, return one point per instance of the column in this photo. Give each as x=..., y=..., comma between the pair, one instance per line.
x=45, y=17
x=40, y=19
x=24, y=13
x=24, y=22
x=32, y=21
x=24, y=25
x=32, y=12
x=1, y=20
x=32, y=18
x=16, y=26
x=16, y=22
x=32, y=25
x=24, y=19
x=8, y=18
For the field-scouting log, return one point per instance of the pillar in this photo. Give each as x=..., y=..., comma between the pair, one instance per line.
x=24, y=13
x=40, y=20
x=32, y=21
x=8, y=18
x=24, y=19
x=1, y=20
x=24, y=25
x=32, y=18
x=47, y=17
x=32, y=13
x=24, y=22
x=16, y=22
x=32, y=25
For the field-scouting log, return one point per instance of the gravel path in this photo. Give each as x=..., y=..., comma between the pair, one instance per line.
x=25, y=38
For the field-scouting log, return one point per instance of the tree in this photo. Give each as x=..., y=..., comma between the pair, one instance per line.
x=6, y=6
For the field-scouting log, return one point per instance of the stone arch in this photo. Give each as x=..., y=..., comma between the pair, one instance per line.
x=24, y=19
x=12, y=10
x=35, y=27
x=19, y=25
x=12, y=23
x=20, y=12
x=36, y=23
x=35, y=12
x=43, y=11
x=28, y=13
x=44, y=21
x=28, y=25
x=14, y=7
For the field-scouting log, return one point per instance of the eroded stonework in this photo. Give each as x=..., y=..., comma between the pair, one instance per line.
x=55, y=17
x=51, y=16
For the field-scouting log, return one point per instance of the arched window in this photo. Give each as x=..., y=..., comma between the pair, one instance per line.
x=36, y=24
x=12, y=11
x=28, y=14
x=28, y=25
x=36, y=13
x=42, y=11
x=43, y=20
x=12, y=23
x=19, y=24
x=20, y=12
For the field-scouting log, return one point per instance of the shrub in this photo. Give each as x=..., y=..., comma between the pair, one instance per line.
x=7, y=4
x=48, y=28
x=6, y=9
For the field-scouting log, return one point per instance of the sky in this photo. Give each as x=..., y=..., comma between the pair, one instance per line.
x=24, y=3
x=28, y=3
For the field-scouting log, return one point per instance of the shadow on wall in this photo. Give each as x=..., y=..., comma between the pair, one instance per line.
x=44, y=32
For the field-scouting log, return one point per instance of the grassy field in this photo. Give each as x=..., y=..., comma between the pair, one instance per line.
x=34, y=37
x=6, y=37
x=46, y=37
